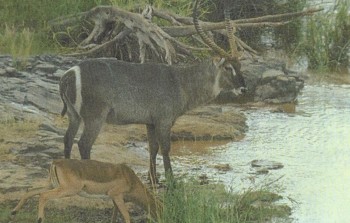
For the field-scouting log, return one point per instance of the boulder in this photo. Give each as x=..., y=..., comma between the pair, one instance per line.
x=267, y=81
x=266, y=164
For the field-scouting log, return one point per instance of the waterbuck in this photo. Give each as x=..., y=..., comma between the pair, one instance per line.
x=90, y=178
x=103, y=89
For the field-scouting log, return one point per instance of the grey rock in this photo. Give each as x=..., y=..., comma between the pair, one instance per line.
x=267, y=82
x=266, y=164
x=2, y=72
x=271, y=74
x=57, y=75
x=49, y=127
x=10, y=70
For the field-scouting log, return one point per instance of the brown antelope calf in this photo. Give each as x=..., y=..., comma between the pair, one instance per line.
x=70, y=177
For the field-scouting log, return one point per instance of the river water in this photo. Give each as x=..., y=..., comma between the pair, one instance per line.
x=313, y=144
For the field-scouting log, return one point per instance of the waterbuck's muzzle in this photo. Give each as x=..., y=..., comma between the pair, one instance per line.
x=241, y=88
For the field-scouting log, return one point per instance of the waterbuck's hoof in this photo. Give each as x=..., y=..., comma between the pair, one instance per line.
x=40, y=220
x=13, y=213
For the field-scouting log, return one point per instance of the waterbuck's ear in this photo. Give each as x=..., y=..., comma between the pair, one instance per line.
x=218, y=61
x=231, y=69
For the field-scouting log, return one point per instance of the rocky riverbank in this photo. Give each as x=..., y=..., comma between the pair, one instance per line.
x=31, y=132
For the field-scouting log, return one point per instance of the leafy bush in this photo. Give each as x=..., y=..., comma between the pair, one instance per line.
x=326, y=42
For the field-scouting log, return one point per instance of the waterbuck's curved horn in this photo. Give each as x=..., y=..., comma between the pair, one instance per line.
x=230, y=34
x=204, y=36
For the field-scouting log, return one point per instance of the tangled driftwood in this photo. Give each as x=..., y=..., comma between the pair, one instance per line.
x=131, y=36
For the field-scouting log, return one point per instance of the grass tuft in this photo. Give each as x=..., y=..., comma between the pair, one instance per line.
x=17, y=43
x=192, y=203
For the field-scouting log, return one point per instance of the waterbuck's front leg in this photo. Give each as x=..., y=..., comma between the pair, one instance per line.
x=153, y=151
x=163, y=132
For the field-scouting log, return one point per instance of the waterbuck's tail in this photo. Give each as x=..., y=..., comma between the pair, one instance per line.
x=63, y=97
x=68, y=89
x=63, y=90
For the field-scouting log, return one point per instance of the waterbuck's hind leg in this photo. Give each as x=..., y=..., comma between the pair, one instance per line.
x=153, y=151
x=74, y=123
x=92, y=127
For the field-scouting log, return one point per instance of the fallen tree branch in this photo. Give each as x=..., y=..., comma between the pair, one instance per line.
x=97, y=49
x=280, y=17
x=132, y=36
x=263, y=21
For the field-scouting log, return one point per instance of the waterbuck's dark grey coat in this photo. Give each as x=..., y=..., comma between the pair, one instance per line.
x=103, y=89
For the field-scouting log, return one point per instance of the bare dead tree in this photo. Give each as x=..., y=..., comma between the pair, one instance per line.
x=131, y=36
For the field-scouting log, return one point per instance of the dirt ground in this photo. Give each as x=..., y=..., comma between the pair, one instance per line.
x=26, y=157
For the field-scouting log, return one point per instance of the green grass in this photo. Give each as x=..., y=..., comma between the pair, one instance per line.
x=36, y=13
x=17, y=43
x=194, y=203
x=187, y=202
x=24, y=28
x=327, y=39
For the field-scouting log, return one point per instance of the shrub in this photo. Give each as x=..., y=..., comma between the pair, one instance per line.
x=326, y=41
